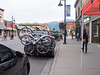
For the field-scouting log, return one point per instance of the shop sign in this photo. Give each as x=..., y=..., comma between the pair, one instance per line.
x=87, y=19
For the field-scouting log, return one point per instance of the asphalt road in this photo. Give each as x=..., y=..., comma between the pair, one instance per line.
x=38, y=65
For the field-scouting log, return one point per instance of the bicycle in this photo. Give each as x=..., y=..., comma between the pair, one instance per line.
x=41, y=45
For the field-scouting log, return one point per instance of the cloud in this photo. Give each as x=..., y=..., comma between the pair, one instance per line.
x=33, y=10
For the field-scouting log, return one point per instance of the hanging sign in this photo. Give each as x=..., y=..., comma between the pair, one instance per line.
x=68, y=9
x=11, y=23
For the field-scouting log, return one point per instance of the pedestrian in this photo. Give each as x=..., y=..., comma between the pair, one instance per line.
x=72, y=35
x=77, y=36
x=85, y=40
x=5, y=35
x=11, y=37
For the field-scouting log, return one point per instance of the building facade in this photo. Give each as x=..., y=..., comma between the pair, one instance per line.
x=5, y=26
x=9, y=28
x=2, y=26
x=91, y=22
x=1, y=15
x=78, y=20
x=70, y=26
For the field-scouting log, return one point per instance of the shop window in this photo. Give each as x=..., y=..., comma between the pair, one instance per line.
x=95, y=30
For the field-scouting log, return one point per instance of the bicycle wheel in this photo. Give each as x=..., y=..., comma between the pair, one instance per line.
x=26, y=39
x=47, y=41
x=42, y=49
x=53, y=44
x=24, y=31
x=28, y=49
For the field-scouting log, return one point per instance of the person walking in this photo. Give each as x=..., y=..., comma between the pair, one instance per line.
x=11, y=38
x=85, y=40
x=5, y=35
x=77, y=36
x=72, y=35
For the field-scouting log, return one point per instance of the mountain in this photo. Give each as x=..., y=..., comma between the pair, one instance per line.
x=22, y=23
x=55, y=24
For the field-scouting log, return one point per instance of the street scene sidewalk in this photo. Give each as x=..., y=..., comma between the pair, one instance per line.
x=68, y=59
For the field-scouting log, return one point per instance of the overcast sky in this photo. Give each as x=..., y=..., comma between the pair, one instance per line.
x=41, y=11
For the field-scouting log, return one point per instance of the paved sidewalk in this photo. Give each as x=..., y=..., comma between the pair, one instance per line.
x=68, y=57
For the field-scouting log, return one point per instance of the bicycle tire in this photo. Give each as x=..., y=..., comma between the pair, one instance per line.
x=23, y=29
x=26, y=39
x=42, y=49
x=47, y=41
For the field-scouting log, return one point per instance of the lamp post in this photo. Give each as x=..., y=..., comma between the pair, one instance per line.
x=0, y=17
x=64, y=18
x=12, y=27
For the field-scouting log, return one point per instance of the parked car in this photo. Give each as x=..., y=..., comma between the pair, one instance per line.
x=37, y=42
x=13, y=62
x=40, y=48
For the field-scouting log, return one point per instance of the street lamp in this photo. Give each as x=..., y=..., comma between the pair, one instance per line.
x=12, y=27
x=60, y=4
x=0, y=15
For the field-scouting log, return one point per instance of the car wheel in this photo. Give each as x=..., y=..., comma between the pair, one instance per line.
x=28, y=67
x=52, y=54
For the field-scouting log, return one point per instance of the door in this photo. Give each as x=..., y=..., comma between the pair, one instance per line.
x=9, y=65
x=95, y=33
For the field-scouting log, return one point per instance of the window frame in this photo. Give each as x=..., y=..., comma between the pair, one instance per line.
x=96, y=31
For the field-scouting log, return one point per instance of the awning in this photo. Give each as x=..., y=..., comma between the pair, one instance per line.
x=91, y=8
x=10, y=29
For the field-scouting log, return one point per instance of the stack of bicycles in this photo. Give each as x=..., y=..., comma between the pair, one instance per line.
x=37, y=42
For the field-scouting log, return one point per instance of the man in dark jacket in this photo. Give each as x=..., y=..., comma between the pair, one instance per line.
x=85, y=40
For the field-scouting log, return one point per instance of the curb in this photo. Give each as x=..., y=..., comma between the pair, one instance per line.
x=55, y=60
x=45, y=70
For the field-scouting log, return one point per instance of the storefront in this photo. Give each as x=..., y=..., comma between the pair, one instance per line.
x=96, y=31
x=8, y=29
x=78, y=27
x=9, y=32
